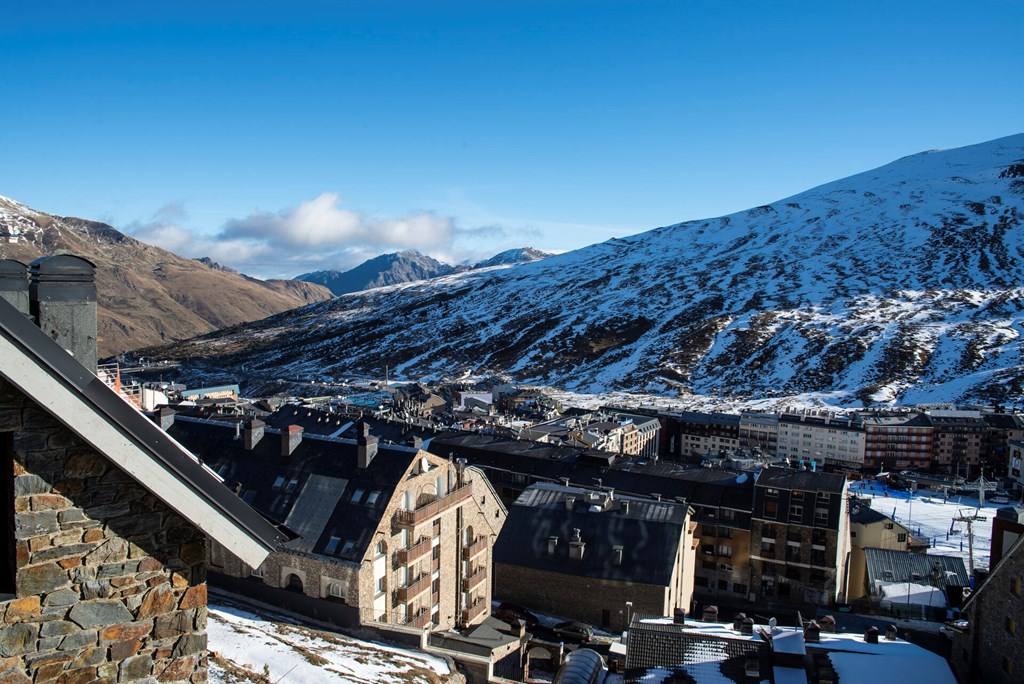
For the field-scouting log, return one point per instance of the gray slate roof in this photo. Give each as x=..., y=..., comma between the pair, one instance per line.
x=650, y=534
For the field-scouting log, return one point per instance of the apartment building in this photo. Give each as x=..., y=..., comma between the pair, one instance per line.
x=693, y=434
x=799, y=537
x=595, y=556
x=386, y=534
x=895, y=441
x=958, y=438
x=822, y=438
x=759, y=431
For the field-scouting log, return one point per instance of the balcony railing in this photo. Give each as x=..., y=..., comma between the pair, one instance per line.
x=473, y=581
x=418, y=550
x=474, y=611
x=433, y=508
x=421, y=619
x=475, y=548
x=413, y=589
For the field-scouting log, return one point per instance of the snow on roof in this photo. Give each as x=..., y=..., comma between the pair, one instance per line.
x=899, y=670
x=911, y=593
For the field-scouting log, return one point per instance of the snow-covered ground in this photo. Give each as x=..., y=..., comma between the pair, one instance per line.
x=930, y=518
x=245, y=647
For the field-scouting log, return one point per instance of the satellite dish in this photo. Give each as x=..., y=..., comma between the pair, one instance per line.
x=772, y=622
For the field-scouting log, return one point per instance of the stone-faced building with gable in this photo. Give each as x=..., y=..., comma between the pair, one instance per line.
x=103, y=519
x=386, y=535
x=596, y=556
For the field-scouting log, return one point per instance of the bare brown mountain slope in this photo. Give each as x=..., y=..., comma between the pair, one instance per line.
x=148, y=295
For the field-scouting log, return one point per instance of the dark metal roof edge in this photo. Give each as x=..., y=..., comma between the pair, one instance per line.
x=149, y=438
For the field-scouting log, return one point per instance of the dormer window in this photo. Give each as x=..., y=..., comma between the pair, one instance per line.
x=347, y=548
x=278, y=484
x=332, y=545
x=290, y=487
x=371, y=499
x=357, y=495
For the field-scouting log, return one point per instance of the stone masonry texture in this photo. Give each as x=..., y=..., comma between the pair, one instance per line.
x=110, y=583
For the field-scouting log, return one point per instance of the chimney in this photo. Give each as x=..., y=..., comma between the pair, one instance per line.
x=812, y=633
x=552, y=545
x=14, y=284
x=828, y=624
x=624, y=506
x=746, y=627
x=710, y=614
x=62, y=300
x=165, y=418
x=366, y=445
x=576, y=545
x=737, y=621
x=569, y=501
x=890, y=633
x=871, y=635
x=617, y=555
x=291, y=437
x=253, y=433
x=678, y=616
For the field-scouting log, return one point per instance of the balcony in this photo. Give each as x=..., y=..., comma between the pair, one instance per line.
x=474, y=611
x=433, y=508
x=413, y=589
x=475, y=580
x=420, y=619
x=418, y=550
x=475, y=548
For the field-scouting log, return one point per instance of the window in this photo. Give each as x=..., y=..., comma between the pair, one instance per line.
x=332, y=545
x=334, y=589
x=888, y=525
x=278, y=483
x=382, y=584
x=257, y=572
x=798, y=495
x=372, y=498
x=1007, y=665
x=357, y=495
x=901, y=537
x=7, y=554
x=771, y=509
x=347, y=548
x=739, y=589
x=771, y=492
x=381, y=548
x=708, y=549
x=796, y=511
x=725, y=551
x=290, y=487
x=723, y=585
x=1011, y=625
x=768, y=548
x=1015, y=587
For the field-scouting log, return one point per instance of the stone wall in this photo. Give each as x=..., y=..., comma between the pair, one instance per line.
x=991, y=649
x=110, y=583
x=579, y=598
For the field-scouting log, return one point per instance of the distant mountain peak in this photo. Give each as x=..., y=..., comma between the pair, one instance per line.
x=518, y=255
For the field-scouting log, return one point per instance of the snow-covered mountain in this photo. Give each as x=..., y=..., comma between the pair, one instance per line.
x=386, y=269
x=519, y=255
x=147, y=295
x=905, y=283
x=406, y=267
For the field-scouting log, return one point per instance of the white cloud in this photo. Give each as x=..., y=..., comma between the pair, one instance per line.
x=324, y=223
x=322, y=234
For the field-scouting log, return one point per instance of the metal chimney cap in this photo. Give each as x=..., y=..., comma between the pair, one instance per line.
x=13, y=267
x=63, y=265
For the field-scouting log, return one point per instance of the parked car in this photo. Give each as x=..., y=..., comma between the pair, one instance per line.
x=999, y=500
x=574, y=631
x=510, y=612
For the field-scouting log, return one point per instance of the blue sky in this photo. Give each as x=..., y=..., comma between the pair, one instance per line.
x=285, y=137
